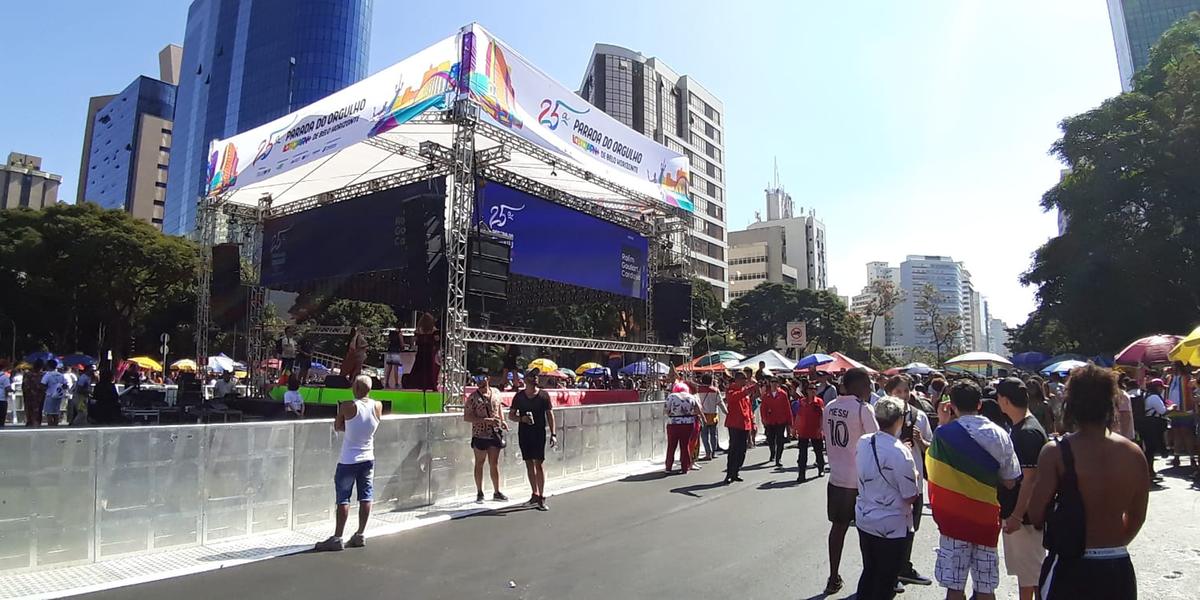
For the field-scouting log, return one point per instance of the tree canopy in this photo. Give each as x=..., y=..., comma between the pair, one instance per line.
x=82, y=278
x=760, y=317
x=1129, y=259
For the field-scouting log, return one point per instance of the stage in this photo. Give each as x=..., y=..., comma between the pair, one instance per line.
x=415, y=402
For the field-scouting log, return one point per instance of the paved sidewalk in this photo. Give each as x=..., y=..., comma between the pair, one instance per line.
x=66, y=581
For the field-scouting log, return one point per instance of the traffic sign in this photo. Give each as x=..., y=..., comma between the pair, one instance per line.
x=796, y=334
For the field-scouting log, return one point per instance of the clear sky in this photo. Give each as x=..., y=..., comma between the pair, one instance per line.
x=910, y=127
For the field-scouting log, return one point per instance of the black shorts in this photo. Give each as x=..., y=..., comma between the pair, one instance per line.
x=1106, y=578
x=286, y=364
x=480, y=443
x=840, y=504
x=533, y=444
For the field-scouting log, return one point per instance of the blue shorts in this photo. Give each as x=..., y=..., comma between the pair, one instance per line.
x=347, y=477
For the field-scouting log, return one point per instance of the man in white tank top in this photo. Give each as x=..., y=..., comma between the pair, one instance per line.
x=356, y=465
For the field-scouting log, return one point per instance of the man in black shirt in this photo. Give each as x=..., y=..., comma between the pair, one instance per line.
x=532, y=409
x=1023, y=552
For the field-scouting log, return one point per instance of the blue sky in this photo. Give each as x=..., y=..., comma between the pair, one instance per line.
x=910, y=127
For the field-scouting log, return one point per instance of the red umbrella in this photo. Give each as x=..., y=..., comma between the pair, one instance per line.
x=1148, y=350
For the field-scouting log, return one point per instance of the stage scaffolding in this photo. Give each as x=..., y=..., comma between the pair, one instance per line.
x=219, y=220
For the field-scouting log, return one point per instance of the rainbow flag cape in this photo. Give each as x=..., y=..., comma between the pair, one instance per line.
x=962, y=479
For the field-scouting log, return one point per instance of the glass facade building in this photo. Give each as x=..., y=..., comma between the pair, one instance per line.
x=246, y=62
x=1137, y=25
x=114, y=149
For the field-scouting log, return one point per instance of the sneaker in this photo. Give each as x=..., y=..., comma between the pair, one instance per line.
x=911, y=576
x=899, y=589
x=834, y=585
x=738, y=479
x=778, y=465
x=479, y=498
x=541, y=505
x=532, y=500
x=498, y=497
x=356, y=541
x=333, y=544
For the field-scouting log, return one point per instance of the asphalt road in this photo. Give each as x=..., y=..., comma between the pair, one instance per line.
x=683, y=536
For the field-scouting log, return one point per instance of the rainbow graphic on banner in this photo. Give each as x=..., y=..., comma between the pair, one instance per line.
x=492, y=88
x=226, y=175
x=674, y=186
x=962, y=486
x=436, y=83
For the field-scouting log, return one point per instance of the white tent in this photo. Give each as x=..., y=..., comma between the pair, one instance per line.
x=775, y=362
x=979, y=359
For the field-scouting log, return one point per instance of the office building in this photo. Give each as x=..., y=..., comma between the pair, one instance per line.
x=784, y=249
x=1136, y=27
x=127, y=144
x=757, y=256
x=246, y=62
x=804, y=247
x=677, y=112
x=23, y=183
x=998, y=337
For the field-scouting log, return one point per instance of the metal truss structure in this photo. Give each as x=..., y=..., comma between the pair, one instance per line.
x=665, y=227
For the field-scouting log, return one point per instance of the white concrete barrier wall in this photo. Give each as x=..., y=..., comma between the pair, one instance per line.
x=74, y=496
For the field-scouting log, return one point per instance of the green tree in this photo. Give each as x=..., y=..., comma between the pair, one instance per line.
x=885, y=297
x=371, y=316
x=1129, y=259
x=710, y=321
x=943, y=329
x=79, y=277
x=760, y=317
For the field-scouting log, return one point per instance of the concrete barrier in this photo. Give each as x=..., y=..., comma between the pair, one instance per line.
x=73, y=496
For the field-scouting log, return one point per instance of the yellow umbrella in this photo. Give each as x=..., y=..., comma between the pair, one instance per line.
x=588, y=367
x=185, y=364
x=543, y=365
x=146, y=362
x=1187, y=351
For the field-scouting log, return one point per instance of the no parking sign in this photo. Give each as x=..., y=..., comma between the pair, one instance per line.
x=797, y=334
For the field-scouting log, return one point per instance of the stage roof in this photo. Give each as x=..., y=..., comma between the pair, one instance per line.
x=376, y=127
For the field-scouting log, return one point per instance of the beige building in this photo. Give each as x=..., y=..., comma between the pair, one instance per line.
x=127, y=144
x=758, y=256
x=23, y=183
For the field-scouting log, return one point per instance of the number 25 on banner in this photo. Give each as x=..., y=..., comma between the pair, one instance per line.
x=797, y=334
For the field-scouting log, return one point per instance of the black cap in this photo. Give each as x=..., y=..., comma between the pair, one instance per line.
x=989, y=393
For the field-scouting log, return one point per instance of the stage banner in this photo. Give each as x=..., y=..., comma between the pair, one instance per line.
x=387, y=99
x=517, y=96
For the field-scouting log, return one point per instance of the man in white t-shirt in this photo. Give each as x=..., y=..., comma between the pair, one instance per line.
x=847, y=418
x=56, y=391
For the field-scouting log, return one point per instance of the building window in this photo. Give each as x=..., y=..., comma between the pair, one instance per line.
x=161, y=184
x=714, y=231
x=748, y=276
x=718, y=274
x=715, y=211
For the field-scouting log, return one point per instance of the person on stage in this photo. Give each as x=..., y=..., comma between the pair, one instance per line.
x=356, y=354
x=429, y=341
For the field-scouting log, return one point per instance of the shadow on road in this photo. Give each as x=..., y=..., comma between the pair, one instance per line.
x=651, y=476
x=690, y=490
x=779, y=484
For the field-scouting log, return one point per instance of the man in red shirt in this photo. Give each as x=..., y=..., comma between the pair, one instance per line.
x=738, y=420
x=776, y=411
x=807, y=428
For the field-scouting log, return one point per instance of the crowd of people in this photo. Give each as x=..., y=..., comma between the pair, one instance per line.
x=1023, y=461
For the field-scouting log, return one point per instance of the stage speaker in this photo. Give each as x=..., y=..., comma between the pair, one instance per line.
x=489, y=257
x=672, y=309
x=229, y=299
x=337, y=381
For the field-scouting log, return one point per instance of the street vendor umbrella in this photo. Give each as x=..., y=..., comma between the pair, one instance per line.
x=979, y=359
x=919, y=368
x=719, y=357
x=36, y=356
x=597, y=372
x=78, y=359
x=1029, y=360
x=146, y=362
x=813, y=360
x=543, y=365
x=220, y=363
x=567, y=373
x=1063, y=367
x=1150, y=350
x=184, y=364
x=645, y=367
x=1187, y=351
x=588, y=366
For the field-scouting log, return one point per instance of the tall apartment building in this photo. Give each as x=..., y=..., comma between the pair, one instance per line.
x=758, y=256
x=23, y=183
x=127, y=144
x=950, y=280
x=998, y=337
x=246, y=62
x=1136, y=27
x=677, y=112
x=804, y=248
x=883, y=332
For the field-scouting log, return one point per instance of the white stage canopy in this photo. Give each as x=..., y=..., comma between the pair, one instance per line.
x=374, y=128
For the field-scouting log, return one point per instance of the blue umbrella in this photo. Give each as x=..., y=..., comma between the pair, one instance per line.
x=1029, y=360
x=1063, y=367
x=41, y=355
x=79, y=359
x=597, y=372
x=814, y=360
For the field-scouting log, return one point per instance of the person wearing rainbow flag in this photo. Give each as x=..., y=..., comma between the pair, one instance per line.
x=969, y=458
